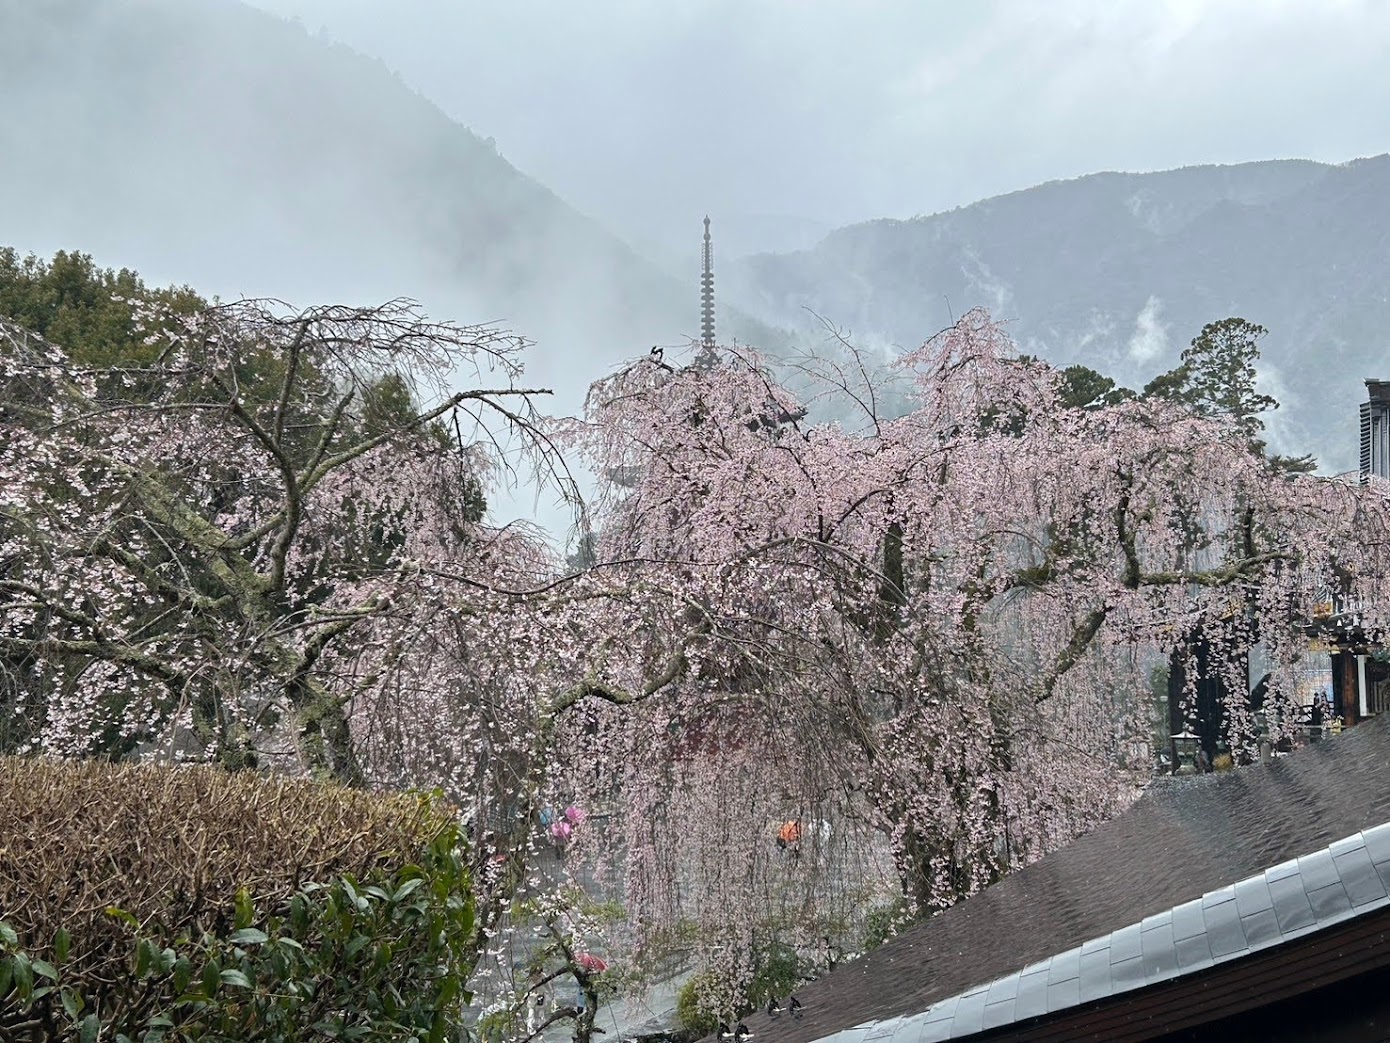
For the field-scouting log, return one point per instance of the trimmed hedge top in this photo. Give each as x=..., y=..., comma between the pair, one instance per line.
x=172, y=847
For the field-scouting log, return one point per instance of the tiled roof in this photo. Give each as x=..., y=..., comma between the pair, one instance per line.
x=1287, y=901
x=1184, y=840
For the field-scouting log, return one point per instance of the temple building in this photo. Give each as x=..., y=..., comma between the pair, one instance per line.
x=707, y=291
x=1375, y=430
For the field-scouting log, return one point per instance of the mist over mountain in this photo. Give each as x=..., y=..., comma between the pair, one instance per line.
x=215, y=144
x=219, y=145
x=1120, y=271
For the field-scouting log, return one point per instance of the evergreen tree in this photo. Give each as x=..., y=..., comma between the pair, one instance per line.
x=1084, y=388
x=1220, y=366
x=89, y=311
x=1216, y=378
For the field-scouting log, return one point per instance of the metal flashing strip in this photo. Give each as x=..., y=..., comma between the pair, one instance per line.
x=1290, y=900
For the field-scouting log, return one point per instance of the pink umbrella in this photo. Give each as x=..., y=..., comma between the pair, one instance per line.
x=591, y=963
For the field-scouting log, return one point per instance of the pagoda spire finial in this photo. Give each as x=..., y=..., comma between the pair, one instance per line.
x=707, y=292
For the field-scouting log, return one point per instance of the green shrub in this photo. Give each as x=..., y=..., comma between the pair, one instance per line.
x=777, y=971
x=882, y=923
x=188, y=904
x=691, y=1015
x=377, y=962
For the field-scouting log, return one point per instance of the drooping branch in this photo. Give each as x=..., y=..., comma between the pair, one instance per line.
x=1072, y=652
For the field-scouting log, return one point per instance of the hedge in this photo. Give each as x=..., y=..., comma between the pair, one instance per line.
x=152, y=902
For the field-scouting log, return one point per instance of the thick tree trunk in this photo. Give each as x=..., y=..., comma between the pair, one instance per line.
x=584, y=1023
x=915, y=874
x=325, y=739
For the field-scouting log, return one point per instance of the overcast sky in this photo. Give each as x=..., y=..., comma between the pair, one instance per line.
x=643, y=112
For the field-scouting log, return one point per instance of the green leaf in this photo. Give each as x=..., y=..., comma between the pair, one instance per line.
x=122, y=915
x=249, y=936
x=72, y=1002
x=235, y=977
x=45, y=969
x=299, y=914
x=466, y=919
x=360, y=903
x=144, y=952
x=7, y=934
x=89, y=1030
x=382, y=960
x=356, y=945
x=183, y=973
x=212, y=977
x=245, y=910
x=406, y=889
x=62, y=945
x=23, y=975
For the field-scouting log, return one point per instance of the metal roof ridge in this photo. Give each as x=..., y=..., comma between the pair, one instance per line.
x=1301, y=896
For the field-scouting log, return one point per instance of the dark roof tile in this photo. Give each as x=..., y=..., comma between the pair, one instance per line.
x=998, y=1014
x=1317, y=870
x=1378, y=844
x=1193, y=953
x=1160, y=954
x=1224, y=932
x=1188, y=920
x=1032, y=995
x=1260, y=928
x=1064, y=967
x=1329, y=901
x=1182, y=840
x=1067, y=994
x=1252, y=896
x=1359, y=877
x=970, y=1014
x=1282, y=871
x=1291, y=906
x=1095, y=975
x=1124, y=944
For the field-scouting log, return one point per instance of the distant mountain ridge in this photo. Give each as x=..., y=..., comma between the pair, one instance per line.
x=213, y=143
x=1120, y=271
x=216, y=144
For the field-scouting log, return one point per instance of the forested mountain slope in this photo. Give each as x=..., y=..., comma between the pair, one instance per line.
x=213, y=143
x=1120, y=271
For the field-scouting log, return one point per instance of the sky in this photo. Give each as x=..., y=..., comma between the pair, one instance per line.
x=789, y=117
x=782, y=119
